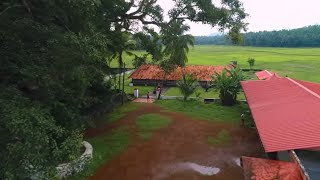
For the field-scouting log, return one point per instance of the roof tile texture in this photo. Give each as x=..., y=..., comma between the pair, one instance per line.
x=153, y=72
x=264, y=169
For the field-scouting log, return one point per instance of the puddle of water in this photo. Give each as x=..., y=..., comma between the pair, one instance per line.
x=237, y=161
x=204, y=170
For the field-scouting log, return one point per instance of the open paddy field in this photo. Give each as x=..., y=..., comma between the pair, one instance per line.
x=300, y=63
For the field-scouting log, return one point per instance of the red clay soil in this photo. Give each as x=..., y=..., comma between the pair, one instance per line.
x=184, y=141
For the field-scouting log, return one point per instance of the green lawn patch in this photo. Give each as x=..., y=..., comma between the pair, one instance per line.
x=117, y=113
x=223, y=137
x=104, y=149
x=212, y=93
x=143, y=90
x=211, y=112
x=149, y=123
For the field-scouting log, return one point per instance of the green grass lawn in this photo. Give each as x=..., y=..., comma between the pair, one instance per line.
x=143, y=90
x=300, y=63
x=210, y=112
x=149, y=123
x=117, y=113
x=174, y=91
x=223, y=137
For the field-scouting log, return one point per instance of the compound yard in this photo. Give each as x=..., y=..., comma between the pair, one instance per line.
x=173, y=140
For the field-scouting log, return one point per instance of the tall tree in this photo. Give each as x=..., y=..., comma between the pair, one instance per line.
x=52, y=79
x=122, y=42
x=151, y=42
x=177, y=42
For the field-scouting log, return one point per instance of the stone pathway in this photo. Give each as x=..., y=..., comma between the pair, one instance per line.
x=144, y=100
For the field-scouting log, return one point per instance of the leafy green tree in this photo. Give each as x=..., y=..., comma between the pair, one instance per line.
x=121, y=43
x=177, y=43
x=251, y=62
x=138, y=60
x=151, y=42
x=52, y=83
x=228, y=84
x=187, y=85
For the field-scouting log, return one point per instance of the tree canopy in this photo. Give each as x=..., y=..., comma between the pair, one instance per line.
x=302, y=37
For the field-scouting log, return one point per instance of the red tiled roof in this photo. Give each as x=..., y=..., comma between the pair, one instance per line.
x=285, y=112
x=264, y=169
x=265, y=74
x=201, y=73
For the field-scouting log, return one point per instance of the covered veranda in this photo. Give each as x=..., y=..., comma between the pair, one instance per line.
x=286, y=114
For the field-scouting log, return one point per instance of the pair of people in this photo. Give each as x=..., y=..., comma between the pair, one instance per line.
x=158, y=89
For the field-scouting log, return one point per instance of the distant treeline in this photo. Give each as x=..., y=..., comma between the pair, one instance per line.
x=302, y=37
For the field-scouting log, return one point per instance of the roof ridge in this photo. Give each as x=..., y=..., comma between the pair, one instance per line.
x=269, y=72
x=305, y=88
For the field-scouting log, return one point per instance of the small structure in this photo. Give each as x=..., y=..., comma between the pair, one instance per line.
x=265, y=169
x=265, y=74
x=78, y=165
x=153, y=75
x=136, y=93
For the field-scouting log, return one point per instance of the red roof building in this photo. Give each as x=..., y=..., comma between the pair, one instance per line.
x=150, y=74
x=264, y=169
x=201, y=73
x=286, y=112
x=265, y=74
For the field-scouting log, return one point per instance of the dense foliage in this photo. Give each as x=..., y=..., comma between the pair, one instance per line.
x=301, y=37
x=187, y=85
x=251, y=62
x=228, y=84
x=177, y=43
x=55, y=55
x=51, y=78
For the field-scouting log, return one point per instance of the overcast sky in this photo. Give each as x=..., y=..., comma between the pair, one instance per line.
x=268, y=15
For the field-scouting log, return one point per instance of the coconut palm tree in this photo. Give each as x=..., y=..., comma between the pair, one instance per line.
x=177, y=42
x=122, y=42
x=187, y=85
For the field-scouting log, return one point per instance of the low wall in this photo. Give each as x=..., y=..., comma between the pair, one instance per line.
x=78, y=165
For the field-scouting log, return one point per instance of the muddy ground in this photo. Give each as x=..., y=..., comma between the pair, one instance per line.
x=180, y=151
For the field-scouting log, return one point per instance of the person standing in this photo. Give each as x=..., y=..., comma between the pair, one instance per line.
x=148, y=97
x=242, y=119
x=159, y=92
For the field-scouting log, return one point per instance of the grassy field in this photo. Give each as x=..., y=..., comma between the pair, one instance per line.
x=174, y=91
x=105, y=148
x=143, y=90
x=300, y=63
x=222, y=138
x=116, y=114
x=209, y=112
x=148, y=123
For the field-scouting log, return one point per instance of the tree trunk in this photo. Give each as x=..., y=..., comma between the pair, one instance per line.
x=120, y=66
x=227, y=99
x=185, y=98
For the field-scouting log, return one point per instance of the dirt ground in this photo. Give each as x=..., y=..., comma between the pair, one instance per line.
x=170, y=152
